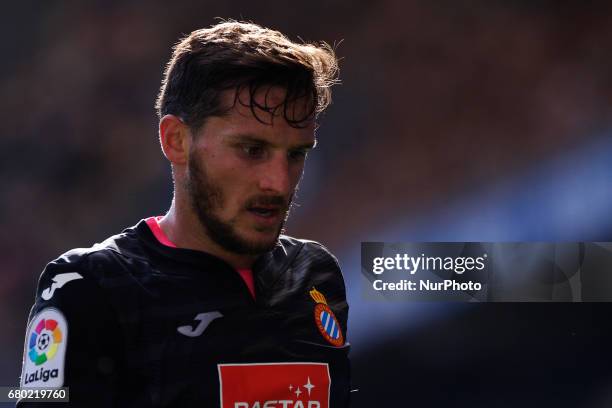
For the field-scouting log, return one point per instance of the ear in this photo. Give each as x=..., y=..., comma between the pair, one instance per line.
x=175, y=139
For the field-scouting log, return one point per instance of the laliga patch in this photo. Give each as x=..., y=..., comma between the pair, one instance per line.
x=45, y=350
x=274, y=385
x=326, y=321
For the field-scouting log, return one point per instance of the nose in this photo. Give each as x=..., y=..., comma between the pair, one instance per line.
x=275, y=176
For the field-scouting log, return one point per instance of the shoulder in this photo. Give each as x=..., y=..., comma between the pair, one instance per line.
x=315, y=267
x=82, y=270
x=313, y=262
x=308, y=249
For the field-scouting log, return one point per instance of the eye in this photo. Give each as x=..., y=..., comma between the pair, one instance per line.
x=297, y=155
x=252, y=151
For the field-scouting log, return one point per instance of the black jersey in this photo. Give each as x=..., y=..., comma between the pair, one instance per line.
x=131, y=322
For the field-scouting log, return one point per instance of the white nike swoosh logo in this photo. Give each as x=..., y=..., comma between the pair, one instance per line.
x=59, y=281
x=204, y=318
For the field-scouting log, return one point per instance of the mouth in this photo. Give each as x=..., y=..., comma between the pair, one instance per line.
x=265, y=212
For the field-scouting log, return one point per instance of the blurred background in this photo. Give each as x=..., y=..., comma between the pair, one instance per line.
x=456, y=121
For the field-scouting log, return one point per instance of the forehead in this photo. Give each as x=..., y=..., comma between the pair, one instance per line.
x=262, y=115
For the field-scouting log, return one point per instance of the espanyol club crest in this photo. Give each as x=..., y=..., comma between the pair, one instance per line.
x=326, y=320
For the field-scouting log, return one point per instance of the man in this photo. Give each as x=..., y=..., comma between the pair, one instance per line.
x=208, y=305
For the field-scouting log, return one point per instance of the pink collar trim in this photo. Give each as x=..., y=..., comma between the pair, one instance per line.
x=160, y=235
x=247, y=277
x=153, y=223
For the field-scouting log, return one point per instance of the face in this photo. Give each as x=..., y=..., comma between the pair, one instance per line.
x=242, y=174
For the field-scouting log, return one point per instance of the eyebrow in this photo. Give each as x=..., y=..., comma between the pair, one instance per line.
x=255, y=139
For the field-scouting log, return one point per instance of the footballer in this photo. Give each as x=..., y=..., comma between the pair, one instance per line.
x=210, y=304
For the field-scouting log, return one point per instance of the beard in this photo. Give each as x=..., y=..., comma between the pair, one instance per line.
x=207, y=198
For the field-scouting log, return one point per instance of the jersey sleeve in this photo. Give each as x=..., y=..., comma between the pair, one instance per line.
x=328, y=277
x=72, y=338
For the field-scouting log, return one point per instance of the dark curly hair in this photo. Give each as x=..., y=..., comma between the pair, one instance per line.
x=238, y=55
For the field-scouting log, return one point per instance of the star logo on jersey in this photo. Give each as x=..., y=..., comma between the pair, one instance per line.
x=326, y=321
x=274, y=385
x=59, y=280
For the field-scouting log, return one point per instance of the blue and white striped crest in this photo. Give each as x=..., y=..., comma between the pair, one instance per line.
x=330, y=325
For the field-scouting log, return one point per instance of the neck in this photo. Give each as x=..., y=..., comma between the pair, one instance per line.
x=182, y=226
